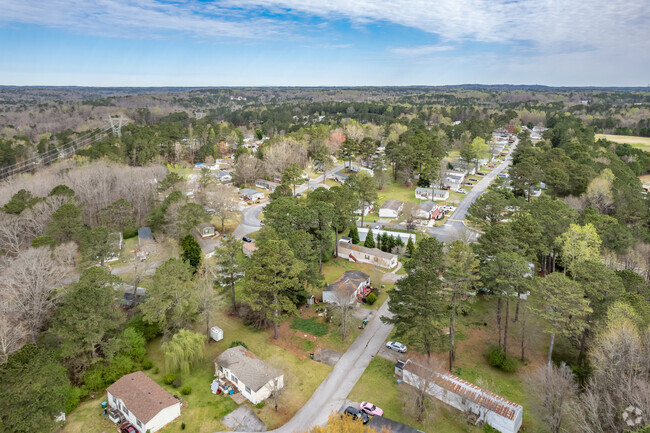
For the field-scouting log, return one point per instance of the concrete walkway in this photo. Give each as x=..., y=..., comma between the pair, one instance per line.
x=333, y=391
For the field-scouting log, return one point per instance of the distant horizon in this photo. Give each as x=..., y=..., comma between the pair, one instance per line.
x=314, y=43
x=409, y=86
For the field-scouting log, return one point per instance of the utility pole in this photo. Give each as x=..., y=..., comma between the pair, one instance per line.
x=116, y=124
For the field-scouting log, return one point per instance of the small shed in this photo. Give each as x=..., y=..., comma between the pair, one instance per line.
x=216, y=333
x=145, y=235
x=399, y=368
x=206, y=230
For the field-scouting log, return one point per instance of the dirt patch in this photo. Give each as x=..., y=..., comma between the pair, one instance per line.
x=327, y=356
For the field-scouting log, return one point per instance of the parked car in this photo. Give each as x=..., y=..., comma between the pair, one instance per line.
x=246, y=239
x=127, y=427
x=357, y=414
x=371, y=409
x=469, y=183
x=480, y=173
x=394, y=345
x=461, y=191
x=448, y=208
x=473, y=180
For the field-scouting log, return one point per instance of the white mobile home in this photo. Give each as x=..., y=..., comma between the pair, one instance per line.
x=254, y=378
x=143, y=402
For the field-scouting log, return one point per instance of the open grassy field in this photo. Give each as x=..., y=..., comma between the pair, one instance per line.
x=638, y=142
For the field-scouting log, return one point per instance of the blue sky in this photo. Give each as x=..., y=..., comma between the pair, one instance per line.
x=324, y=42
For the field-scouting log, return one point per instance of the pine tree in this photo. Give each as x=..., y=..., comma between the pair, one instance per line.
x=191, y=251
x=354, y=234
x=410, y=248
x=370, y=240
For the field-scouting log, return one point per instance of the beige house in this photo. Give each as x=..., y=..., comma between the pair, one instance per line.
x=143, y=402
x=391, y=209
x=361, y=254
x=254, y=378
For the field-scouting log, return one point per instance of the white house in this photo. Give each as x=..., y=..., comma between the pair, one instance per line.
x=363, y=232
x=143, y=402
x=431, y=194
x=391, y=209
x=368, y=208
x=480, y=405
x=254, y=378
x=223, y=176
x=252, y=194
x=427, y=210
x=340, y=177
x=266, y=184
x=351, y=283
x=361, y=254
x=454, y=179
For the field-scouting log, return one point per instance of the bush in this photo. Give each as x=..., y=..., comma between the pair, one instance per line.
x=177, y=383
x=498, y=358
x=148, y=330
x=260, y=405
x=147, y=364
x=186, y=390
x=156, y=370
x=169, y=379
x=371, y=299
x=236, y=343
x=73, y=396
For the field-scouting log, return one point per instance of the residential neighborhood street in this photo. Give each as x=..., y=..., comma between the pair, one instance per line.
x=455, y=227
x=333, y=391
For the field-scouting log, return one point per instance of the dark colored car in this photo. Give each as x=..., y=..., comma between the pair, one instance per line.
x=127, y=427
x=480, y=173
x=473, y=179
x=246, y=239
x=356, y=414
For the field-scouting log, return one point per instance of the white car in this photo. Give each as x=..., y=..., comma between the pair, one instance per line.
x=461, y=191
x=448, y=208
x=394, y=345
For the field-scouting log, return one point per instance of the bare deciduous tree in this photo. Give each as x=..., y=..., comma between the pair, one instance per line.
x=30, y=282
x=247, y=169
x=13, y=333
x=278, y=157
x=554, y=388
x=224, y=199
x=343, y=308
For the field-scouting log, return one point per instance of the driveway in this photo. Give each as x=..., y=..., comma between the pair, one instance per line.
x=331, y=395
x=455, y=227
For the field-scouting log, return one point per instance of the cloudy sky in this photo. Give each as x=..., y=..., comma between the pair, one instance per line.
x=324, y=42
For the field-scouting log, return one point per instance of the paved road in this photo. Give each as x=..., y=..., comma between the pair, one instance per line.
x=455, y=228
x=333, y=391
x=250, y=215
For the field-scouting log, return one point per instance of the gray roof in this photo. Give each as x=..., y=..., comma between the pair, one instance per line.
x=392, y=204
x=247, y=367
x=249, y=191
x=380, y=423
x=427, y=206
x=349, y=281
x=341, y=175
x=221, y=173
x=145, y=233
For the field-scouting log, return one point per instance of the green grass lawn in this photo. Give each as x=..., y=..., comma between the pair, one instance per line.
x=379, y=386
x=311, y=326
x=396, y=191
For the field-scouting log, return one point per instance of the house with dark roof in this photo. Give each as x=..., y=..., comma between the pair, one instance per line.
x=382, y=424
x=143, y=402
x=351, y=283
x=145, y=235
x=254, y=378
x=481, y=406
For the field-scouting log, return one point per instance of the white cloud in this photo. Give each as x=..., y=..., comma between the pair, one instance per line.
x=420, y=50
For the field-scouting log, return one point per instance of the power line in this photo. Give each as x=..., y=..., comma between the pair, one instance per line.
x=30, y=164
